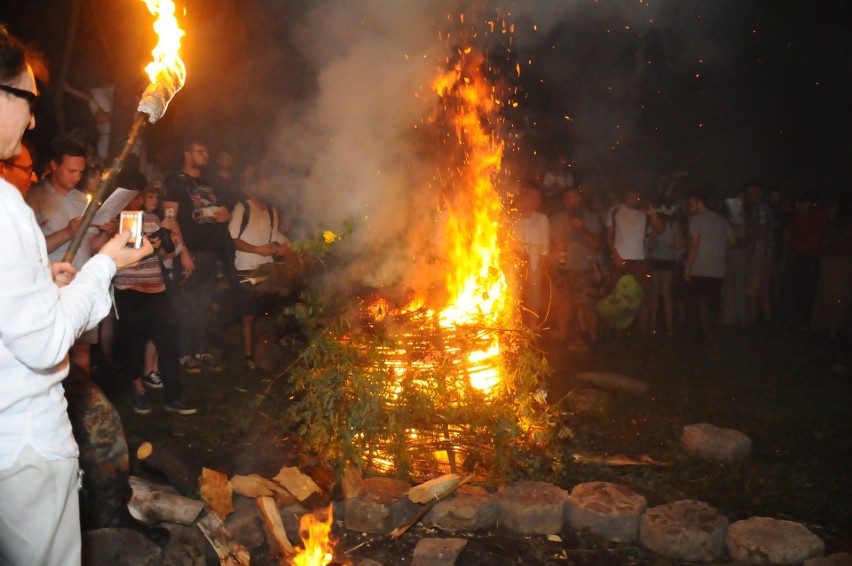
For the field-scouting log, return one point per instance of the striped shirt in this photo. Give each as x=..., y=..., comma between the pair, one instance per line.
x=146, y=276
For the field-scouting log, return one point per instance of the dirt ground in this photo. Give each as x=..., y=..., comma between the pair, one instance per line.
x=787, y=391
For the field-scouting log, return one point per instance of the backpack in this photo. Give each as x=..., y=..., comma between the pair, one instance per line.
x=273, y=217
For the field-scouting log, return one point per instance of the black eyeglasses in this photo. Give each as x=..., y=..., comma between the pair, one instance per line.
x=27, y=169
x=30, y=97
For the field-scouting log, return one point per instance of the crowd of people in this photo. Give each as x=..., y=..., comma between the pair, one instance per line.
x=700, y=260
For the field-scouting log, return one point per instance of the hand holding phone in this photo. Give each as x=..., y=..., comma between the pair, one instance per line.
x=131, y=221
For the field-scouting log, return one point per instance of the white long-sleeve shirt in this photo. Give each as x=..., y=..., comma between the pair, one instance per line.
x=38, y=324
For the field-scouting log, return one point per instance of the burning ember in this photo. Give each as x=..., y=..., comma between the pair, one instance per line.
x=314, y=533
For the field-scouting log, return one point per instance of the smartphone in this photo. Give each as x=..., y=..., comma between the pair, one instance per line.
x=170, y=212
x=131, y=221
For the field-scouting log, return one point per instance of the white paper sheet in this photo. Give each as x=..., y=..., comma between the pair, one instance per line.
x=113, y=205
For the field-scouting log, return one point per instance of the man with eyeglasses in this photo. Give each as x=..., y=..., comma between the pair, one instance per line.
x=44, y=306
x=203, y=223
x=19, y=170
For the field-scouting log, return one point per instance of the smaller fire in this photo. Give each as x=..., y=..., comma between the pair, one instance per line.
x=314, y=533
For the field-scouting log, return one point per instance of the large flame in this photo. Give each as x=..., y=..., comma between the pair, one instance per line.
x=476, y=283
x=167, y=71
x=314, y=532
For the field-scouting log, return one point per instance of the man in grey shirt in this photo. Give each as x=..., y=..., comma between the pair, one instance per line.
x=709, y=237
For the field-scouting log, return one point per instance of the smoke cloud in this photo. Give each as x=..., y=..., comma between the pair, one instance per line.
x=353, y=150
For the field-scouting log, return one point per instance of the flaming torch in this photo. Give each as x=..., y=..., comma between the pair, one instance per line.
x=167, y=73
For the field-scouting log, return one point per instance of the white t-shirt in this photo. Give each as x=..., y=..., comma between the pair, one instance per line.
x=534, y=233
x=258, y=232
x=630, y=227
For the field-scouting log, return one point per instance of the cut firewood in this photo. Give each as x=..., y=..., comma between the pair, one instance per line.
x=167, y=464
x=255, y=486
x=152, y=504
x=216, y=491
x=618, y=460
x=297, y=483
x=228, y=549
x=400, y=530
x=279, y=544
x=351, y=481
x=434, y=488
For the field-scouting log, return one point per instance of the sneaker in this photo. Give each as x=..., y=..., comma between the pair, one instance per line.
x=153, y=380
x=208, y=362
x=141, y=406
x=180, y=407
x=250, y=363
x=190, y=364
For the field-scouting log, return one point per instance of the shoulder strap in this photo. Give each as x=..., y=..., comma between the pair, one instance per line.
x=245, y=220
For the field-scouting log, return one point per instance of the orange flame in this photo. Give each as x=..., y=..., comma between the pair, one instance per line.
x=167, y=65
x=476, y=283
x=315, y=532
x=167, y=71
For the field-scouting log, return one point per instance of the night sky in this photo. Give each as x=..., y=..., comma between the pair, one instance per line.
x=728, y=90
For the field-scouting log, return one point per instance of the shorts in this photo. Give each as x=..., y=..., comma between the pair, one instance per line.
x=576, y=286
x=758, y=275
x=662, y=265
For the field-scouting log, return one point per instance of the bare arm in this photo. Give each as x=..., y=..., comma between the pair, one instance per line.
x=185, y=257
x=690, y=256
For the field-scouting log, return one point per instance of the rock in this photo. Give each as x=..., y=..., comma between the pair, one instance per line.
x=291, y=518
x=614, y=381
x=762, y=540
x=711, y=442
x=245, y=523
x=684, y=530
x=470, y=508
x=382, y=506
x=607, y=509
x=438, y=551
x=531, y=507
x=839, y=559
x=186, y=546
x=119, y=547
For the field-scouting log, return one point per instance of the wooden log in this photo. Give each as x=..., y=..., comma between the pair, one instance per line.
x=150, y=504
x=216, y=491
x=351, y=481
x=297, y=483
x=434, y=489
x=228, y=549
x=279, y=544
x=255, y=486
x=400, y=530
x=171, y=467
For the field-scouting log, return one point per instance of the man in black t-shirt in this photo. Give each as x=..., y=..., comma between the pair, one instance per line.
x=203, y=230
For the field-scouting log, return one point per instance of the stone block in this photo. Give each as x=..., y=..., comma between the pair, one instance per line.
x=186, y=546
x=607, y=509
x=470, y=508
x=291, y=518
x=245, y=523
x=763, y=540
x=713, y=443
x=438, y=551
x=838, y=559
x=119, y=547
x=531, y=507
x=684, y=530
x=382, y=506
x=613, y=381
